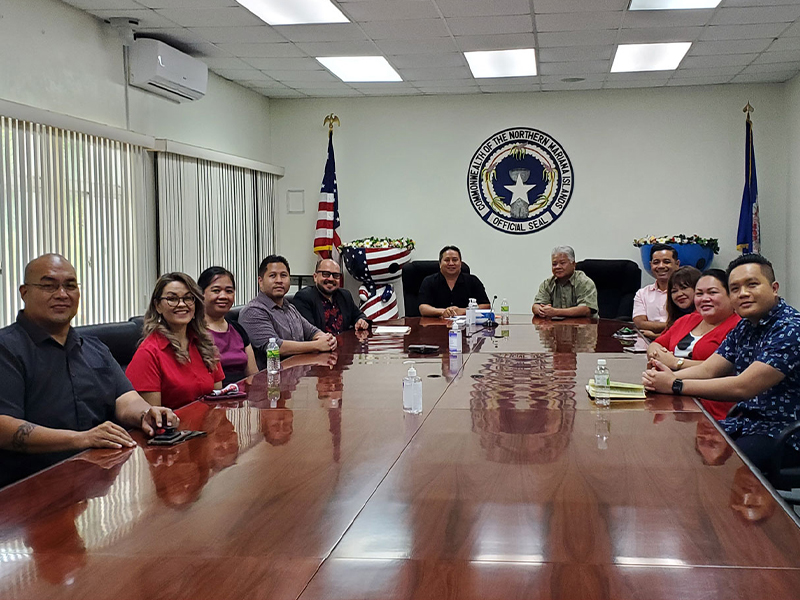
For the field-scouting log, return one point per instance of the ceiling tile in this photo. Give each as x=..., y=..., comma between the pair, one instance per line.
x=562, y=6
x=322, y=85
x=431, y=46
x=778, y=57
x=449, y=83
x=779, y=77
x=286, y=93
x=490, y=25
x=331, y=32
x=773, y=67
x=736, y=3
x=792, y=31
x=300, y=76
x=273, y=50
x=210, y=17
x=284, y=64
x=257, y=34
x=709, y=71
x=594, y=77
x=174, y=36
x=445, y=91
x=228, y=62
x=234, y=74
x=575, y=53
x=373, y=87
x=659, y=77
x=511, y=41
x=92, y=5
x=406, y=30
x=205, y=49
x=579, y=21
x=726, y=60
x=578, y=38
x=729, y=47
x=148, y=19
x=423, y=61
x=575, y=68
x=509, y=87
x=435, y=73
x=325, y=93
x=722, y=79
x=644, y=83
x=762, y=14
x=742, y=32
x=658, y=35
x=260, y=80
x=482, y=8
x=380, y=10
x=187, y=3
x=784, y=44
x=574, y=86
x=667, y=18
x=360, y=48
x=512, y=81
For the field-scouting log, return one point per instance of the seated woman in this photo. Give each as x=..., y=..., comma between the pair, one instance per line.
x=176, y=361
x=696, y=336
x=235, y=353
x=680, y=300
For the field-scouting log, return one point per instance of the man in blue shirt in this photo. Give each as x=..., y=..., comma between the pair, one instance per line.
x=757, y=365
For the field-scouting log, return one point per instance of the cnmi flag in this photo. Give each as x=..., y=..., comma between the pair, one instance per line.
x=748, y=239
x=326, y=238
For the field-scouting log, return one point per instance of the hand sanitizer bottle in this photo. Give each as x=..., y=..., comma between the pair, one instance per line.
x=455, y=339
x=412, y=392
x=472, y=308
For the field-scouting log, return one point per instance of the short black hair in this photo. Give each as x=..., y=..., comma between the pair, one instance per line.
x=446, y=248
x=660, y=247
x=757, y=259
x=272, y=258
x=717, y=274
x=210, y=274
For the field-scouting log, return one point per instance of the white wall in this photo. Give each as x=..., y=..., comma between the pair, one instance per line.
x=646, y=161
x=58, y=58
x=790, y=280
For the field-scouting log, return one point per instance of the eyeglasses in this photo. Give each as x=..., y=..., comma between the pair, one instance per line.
x=52, y=288
x=327, y=274
x=174, y=301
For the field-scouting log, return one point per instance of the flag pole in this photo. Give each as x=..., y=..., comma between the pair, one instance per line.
x=748, y=108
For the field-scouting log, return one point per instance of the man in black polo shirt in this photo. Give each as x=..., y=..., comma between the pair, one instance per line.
x=61, y=393
x=447, y=293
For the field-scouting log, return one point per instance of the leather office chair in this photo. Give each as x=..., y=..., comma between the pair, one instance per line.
x=617, y=282
x=785, y=480
x=413, y=274
x=121, y=338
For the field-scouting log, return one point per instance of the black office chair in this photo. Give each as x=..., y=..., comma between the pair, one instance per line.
x=785, y=480
x=121, y=338
x=617, y=282
x=413, y=274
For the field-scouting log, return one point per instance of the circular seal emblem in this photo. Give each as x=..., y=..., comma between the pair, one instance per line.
x=520, y=180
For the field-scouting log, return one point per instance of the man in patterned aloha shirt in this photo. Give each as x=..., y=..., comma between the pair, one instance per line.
x=756, y=365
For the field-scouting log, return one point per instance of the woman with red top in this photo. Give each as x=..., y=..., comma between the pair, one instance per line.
x=696, y=336
x=177, y=361
x=680, y=300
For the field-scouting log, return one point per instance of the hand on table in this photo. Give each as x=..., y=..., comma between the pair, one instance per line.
x=156, y=417
x=661, y=354
x=361, y=325
x=105, y=435
x=658, y=378
x=450, y=311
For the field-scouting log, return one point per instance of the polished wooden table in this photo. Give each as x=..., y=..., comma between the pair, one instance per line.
x=510, y=484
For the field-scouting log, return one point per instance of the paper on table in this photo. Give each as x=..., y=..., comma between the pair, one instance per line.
x=620, y=391
x=391, y=330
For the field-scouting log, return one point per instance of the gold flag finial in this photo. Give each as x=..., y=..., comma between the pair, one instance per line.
x=747, y=110
x=330, y=120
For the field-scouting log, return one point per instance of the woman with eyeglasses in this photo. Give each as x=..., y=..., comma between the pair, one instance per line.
x=176, y=361
x=696, y=336
x=680, y=300
x=235, y=352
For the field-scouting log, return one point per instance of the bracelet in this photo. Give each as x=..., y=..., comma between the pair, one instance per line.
x=680, y=364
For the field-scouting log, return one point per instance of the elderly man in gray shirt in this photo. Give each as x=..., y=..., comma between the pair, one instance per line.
x=268, y=315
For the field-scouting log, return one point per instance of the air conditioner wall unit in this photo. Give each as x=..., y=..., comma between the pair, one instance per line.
x=163, y=70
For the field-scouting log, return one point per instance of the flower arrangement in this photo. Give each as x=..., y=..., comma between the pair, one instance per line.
x=374, y=242
x=710, y=243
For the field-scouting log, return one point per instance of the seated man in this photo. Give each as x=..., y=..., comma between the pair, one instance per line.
x=568, y=293
x=447, y=293
x=61, y=393
x=268, y=315
x=327, y=306
x=650, y=302
x=757, y=365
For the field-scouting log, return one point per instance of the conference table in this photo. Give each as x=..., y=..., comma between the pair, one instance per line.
x=510, y=484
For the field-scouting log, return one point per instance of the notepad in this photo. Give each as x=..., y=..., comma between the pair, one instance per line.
x=620, y=391
x=391, y=330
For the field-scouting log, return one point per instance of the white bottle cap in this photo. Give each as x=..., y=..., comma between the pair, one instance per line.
x=412, y=372
x=601, y=362
x=271, y=340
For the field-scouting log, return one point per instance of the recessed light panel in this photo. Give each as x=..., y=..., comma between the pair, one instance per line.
x=502, y=63
x=294, y=12
x=649, y=57
x=672, y=4
x=360, y=68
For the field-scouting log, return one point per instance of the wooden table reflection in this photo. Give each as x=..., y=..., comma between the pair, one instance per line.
x=510, y=484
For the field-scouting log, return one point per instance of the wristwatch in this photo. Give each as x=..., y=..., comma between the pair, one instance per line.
x=680, y=364
x=677, y=386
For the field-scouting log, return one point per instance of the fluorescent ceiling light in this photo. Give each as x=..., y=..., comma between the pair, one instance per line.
x=649, y=57
x=672, y=4
x=360, y=68
x=294, y=12
x=502, y=63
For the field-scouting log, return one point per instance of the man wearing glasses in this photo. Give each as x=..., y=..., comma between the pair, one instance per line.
x=61, y=393
x=326, y=305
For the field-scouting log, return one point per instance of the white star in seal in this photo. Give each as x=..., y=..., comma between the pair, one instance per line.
x=519, y=190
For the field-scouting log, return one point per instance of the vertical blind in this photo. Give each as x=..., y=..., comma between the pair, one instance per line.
x=213, y=214
x=87, y=198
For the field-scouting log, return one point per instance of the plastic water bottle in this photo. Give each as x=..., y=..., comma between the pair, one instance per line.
x=412, y=392
x=455, y=339
x=273, y=357
x=504, y=313
x=602, y=430
x=472, y=309
x=602, y=384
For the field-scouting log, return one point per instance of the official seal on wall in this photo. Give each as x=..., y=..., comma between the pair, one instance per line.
x=520, y=180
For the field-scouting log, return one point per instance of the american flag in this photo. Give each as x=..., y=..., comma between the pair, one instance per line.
x=326, y=238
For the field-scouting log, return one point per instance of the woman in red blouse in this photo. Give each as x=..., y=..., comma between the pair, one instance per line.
x=177, y=361
x=696, y=336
